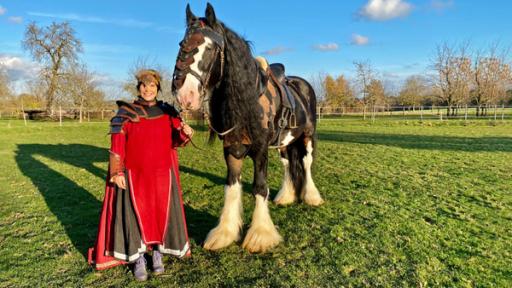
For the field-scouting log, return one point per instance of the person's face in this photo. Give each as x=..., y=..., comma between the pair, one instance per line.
x=148, y=91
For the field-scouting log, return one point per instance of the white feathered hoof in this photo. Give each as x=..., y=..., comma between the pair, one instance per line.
x=262, y=235
x=220, y=237
x=311, y=196
x=230, y=222
x=286, y=196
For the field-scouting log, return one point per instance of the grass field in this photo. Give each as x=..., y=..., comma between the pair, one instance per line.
x=407, y=204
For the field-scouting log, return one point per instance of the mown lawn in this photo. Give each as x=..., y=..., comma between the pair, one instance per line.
x=407, y=204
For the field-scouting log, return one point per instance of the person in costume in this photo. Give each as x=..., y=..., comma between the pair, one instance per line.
x=143, y=208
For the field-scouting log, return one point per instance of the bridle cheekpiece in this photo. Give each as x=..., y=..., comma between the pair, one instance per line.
x=194, y=37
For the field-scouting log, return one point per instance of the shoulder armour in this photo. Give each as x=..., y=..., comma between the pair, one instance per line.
x=126, y=112
x=169, y=109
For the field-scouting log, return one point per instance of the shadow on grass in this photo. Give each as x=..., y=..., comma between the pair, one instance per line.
x=75, y=207
x=449, y=143
x=218, y=180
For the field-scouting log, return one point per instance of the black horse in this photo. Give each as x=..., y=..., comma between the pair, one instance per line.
x=251, y=106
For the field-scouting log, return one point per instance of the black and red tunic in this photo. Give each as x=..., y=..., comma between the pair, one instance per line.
x=150, y=210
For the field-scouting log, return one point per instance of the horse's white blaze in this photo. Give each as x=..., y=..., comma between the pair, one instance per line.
x=287, y=139
x=189, y=94
x=262, y=234
x=309, y=192
x=230, y=222
x=287, y=193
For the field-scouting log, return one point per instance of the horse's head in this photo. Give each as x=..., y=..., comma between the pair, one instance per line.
x=200, y=62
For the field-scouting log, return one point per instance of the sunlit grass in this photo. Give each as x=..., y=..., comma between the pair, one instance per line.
x=407, y=204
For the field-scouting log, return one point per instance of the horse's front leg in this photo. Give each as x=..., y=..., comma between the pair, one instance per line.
x=230, y=222
x=262, y=234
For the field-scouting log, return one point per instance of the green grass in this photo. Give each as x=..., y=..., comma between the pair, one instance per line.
x=407, y=204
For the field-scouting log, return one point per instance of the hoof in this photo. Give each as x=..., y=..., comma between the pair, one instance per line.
x=261, y=239
x=262, y=234
x=314, y=201
x=311, y=196
x=220, y=237
x=283, y=199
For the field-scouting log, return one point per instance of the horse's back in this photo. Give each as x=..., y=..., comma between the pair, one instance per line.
x=306, y=94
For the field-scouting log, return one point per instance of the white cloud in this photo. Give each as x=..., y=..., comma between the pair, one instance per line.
x=440, y=5
x=382, y=10
x=327, y=47
x=15, y=19
x=359, y=40
x=2, y=10
x=93, y=19
x=277, y=50
x=18, y=68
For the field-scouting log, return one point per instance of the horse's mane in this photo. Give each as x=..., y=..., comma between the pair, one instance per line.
x=235, y=101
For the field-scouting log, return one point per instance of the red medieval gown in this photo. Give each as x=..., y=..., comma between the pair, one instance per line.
x=150, y=210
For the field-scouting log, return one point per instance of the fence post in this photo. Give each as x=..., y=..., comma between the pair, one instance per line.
x=495, y=111
x=502, y=112
x=466, y=114
x=421, y=113
x=60, y=116
x=23, y=112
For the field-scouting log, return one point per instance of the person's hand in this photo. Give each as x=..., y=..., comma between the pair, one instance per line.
x=120, y=181
x=188, y=130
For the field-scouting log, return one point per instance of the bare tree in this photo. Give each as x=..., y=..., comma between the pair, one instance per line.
x=491, y=76
x=79, y=89
x=365, y=75
x=54, y=47
x=5, y=90
x=453, y=77
x=317, y=81
x=462, y=76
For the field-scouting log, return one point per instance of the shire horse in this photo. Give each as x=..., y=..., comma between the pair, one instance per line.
x=251, y=106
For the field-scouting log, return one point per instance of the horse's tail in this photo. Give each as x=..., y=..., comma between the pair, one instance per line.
x=296, y=153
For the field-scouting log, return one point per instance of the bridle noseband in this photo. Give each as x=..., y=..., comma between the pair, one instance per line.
x=195, y=35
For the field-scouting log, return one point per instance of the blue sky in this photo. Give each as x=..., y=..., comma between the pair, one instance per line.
x=397, y=36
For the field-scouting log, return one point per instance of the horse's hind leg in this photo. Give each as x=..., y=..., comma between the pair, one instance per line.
x=287, y=193
x=309, y=193
x=262, y=234
x=230, y=222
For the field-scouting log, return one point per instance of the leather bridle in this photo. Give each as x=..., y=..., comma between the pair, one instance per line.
x=194, y=37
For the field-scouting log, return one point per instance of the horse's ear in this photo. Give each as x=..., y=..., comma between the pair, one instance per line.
x=210, y=14
x=190, y=16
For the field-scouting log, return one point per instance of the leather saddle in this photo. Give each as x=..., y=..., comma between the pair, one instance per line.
x=279, y=73
x=287, y=119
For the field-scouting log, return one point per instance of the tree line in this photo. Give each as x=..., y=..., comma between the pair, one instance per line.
x=64, y=80
x=459, y=78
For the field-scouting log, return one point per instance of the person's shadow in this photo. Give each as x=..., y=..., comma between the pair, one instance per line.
x=75, y=207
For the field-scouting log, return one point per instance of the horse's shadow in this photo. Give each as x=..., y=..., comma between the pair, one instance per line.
x=74, y=206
